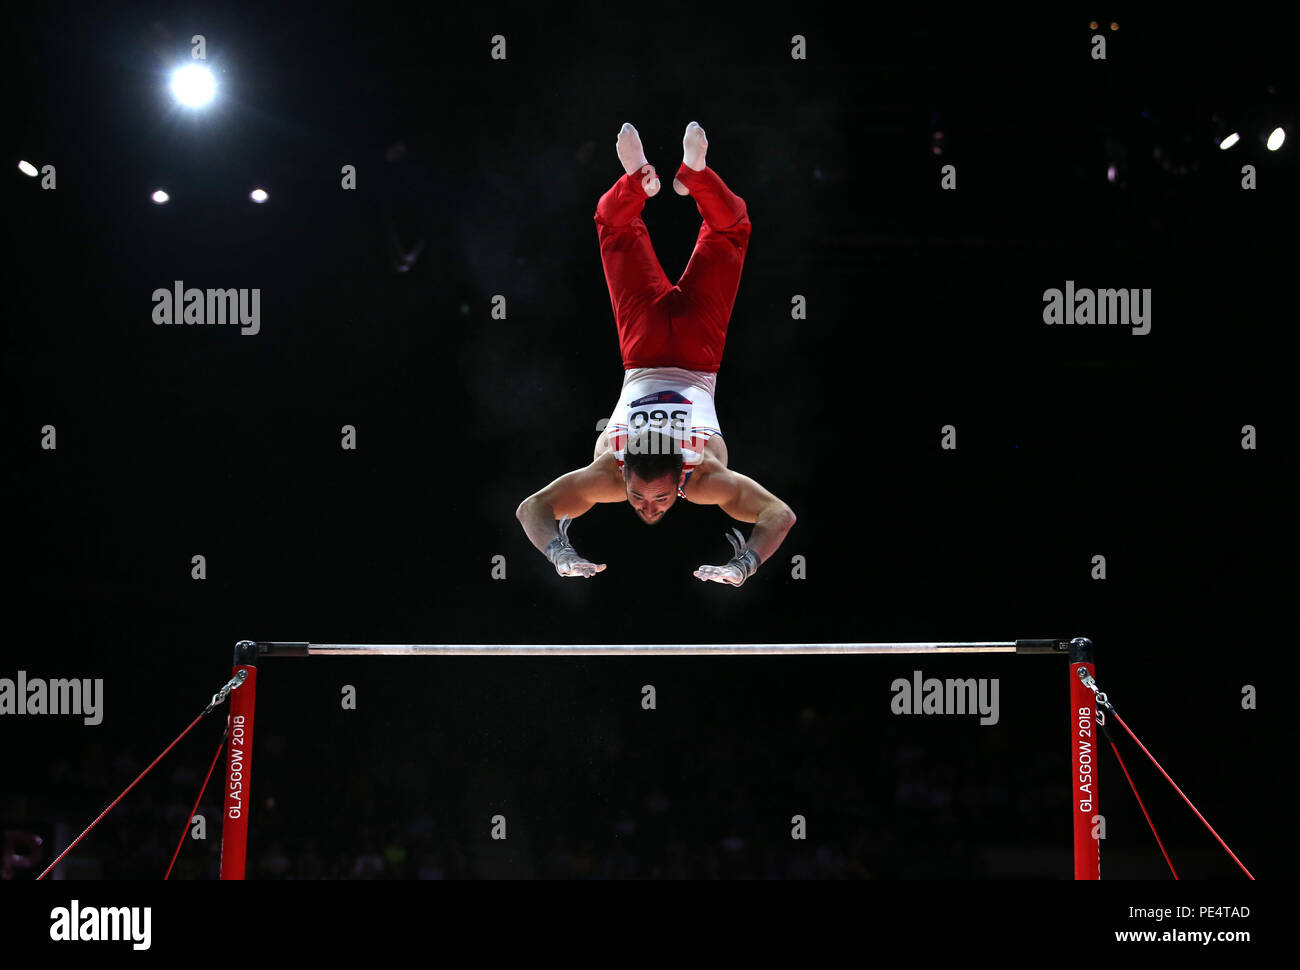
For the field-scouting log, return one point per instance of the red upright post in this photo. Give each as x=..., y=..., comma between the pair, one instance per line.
x=239, y=764
x=1083, y=752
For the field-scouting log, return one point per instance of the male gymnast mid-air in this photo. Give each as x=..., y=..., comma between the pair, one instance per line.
x=662, y=441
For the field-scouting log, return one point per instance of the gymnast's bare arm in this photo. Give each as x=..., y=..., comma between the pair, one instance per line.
x=571, y=494
x=745, y=500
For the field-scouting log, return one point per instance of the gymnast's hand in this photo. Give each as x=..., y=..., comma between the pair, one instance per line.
x=744, y=565
x=566, y=559
x=721, y=574
x=574, y=565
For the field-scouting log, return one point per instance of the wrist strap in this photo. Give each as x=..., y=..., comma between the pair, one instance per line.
x=748, y=563
x=746, y=558
x=560, y=544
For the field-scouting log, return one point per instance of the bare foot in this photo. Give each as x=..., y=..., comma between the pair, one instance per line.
x=632, y=155
x=694, y=146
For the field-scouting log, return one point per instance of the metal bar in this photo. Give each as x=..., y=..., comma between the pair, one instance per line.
x=303, y=649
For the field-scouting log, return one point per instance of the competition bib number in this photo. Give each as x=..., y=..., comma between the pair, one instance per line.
x=676, y=421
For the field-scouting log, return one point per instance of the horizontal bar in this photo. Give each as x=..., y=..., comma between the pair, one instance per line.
x=303, y=649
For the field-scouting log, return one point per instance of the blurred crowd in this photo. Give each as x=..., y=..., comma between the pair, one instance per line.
x=884, y=808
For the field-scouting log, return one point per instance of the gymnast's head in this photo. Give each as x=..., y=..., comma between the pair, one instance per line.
x=652, y=470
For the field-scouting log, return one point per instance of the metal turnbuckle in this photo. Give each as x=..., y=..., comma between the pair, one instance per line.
x=1102, y=700
x=220, y=696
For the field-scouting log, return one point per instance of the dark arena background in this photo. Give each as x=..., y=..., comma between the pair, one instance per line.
x=435, y=342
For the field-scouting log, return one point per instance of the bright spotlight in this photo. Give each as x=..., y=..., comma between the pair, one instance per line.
x=193, y=85
x=1275, y=139
x=258, y=195
x=1229, y=141
x=27, y=168
x=160, y=197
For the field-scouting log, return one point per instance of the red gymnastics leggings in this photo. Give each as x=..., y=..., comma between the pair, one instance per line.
x=659, y=324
